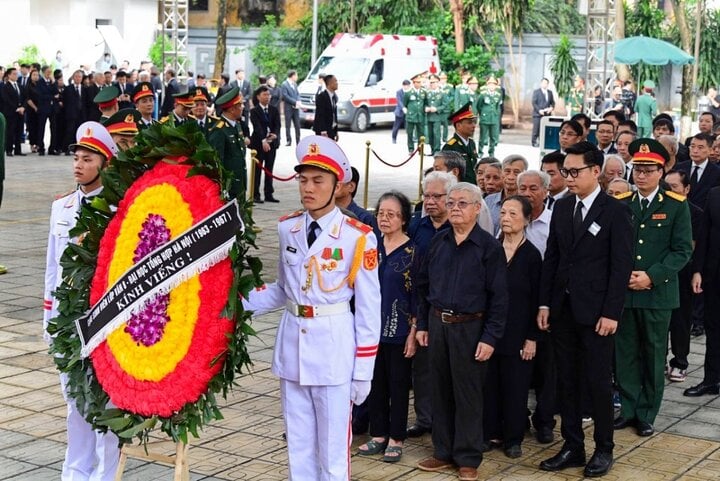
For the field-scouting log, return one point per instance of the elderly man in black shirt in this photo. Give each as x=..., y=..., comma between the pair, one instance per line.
x=461, y=312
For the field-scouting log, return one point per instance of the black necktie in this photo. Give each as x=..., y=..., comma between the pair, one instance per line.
x=694, y=176
x=17, y=89
x=578, y=218
x=644, y=203
x=550, y=202
x=312, y=235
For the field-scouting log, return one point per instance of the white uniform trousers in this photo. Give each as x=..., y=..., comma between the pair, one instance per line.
x=90, y=455
x=318, y=428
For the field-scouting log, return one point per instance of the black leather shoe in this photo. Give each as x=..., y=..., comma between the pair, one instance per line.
x=415, y=431
x=566, y=458
x=545, y=435
x=288, y=144
x=258, y=200
x=702, y=389
x=513, y=452
x=621, y=423
x=270, y=198
x=599, y=465
x=644, y=429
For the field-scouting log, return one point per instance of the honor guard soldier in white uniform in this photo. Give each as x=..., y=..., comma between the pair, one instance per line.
x=324, y=354
x=90, y=455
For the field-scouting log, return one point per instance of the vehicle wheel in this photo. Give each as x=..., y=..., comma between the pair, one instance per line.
x=361, y=121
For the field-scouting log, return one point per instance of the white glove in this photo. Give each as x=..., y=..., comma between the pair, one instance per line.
x=359, y=391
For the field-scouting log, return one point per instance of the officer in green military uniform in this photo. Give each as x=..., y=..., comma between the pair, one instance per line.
x=488, y=106
x=464, y=121
x=181, y=109
x=646, y=108
x=122, y=127
x=663, y=245
x=575, y=99
x=227, y=138
x=107, y=101
x=449, y=92
x=144, y=99
x=435, y=107
x=200, y=114
x=414, y=109
x=466, y=92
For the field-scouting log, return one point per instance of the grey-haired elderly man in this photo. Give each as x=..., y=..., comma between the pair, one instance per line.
x=463, y=301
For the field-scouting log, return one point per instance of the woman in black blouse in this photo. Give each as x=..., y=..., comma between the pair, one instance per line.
x=510, y=367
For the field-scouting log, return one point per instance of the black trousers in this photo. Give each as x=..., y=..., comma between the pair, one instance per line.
x=457, y=391
x=712, y=331
x=71, y=126
x=268, y=160
x=398, y=123
x=292, y=116
x=536, y=129
x=13, y=133
x=584, y=361
x=422, y=390
x=390, y=393
x=506, y=395
x=42, y=118
x=681, y=322
x=31, y=119
x=544, y=380
x=57, y=132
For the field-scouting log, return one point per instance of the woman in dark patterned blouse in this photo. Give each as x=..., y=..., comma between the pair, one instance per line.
x=389, y=396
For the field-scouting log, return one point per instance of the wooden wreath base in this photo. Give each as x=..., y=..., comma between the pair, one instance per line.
x=180, y=460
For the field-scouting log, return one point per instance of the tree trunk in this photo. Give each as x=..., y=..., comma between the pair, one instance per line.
x=456, y=8
x=220, y=49
x=686, y=91
x=623, y=72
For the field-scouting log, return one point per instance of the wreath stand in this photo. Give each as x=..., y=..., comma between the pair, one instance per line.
x=180, y=460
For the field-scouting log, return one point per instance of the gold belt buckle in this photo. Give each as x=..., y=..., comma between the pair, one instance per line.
x=306, y=311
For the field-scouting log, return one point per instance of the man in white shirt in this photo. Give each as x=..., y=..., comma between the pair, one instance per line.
x=533, y=185
x=551, y=165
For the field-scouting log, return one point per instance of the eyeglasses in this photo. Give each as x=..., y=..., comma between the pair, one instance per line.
x=573, y=172
x=461, y=204
x=645, y=172
x=568, y=133
x=435, y=197
x=388, y=214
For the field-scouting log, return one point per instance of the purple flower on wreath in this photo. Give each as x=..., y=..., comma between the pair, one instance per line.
x=148, y=325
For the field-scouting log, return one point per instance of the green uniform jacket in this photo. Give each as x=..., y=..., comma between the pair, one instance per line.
x=230, y=146
x=575, y=102
x=414, y=102
x=463, y=95
x=449, y=92
x=646, y=109
x=663, y=246
x=208, y=125
x=435, y=98
x=468, y=152
x=488, y=106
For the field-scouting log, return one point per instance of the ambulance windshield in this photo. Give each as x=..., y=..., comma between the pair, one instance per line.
x=346, y=69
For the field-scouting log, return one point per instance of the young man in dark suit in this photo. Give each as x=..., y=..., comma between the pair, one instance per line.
x=74, y=99
x=13, y=102
x=325, y=122
x=265, y=139
x=704, y=175
x=585, y=276
x=543, y=104
x=291, y=106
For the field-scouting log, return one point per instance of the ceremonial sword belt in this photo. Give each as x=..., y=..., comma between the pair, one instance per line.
x=300, y=310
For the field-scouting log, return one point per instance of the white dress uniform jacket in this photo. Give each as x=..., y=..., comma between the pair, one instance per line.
x=334, y=349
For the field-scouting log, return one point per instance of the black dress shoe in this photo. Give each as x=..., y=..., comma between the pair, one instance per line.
x=599, y=465
x=566, y=458
x=288, y=144
x=621, y=422
x=415, y=431
x=8, y=154
x=258, y=200
x=513, y=452
x=644, y=429
x=702, y=389
x=544, y=435
x=270, y=198
x=20, y=154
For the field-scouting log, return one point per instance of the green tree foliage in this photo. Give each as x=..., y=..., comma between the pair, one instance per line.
x=709, y=66
x=563, y=66
x=564, y=18
x=276, y=51
x=645, y=19
x=31, y=54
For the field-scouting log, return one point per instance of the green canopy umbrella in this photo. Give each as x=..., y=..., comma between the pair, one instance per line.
x=651, y=51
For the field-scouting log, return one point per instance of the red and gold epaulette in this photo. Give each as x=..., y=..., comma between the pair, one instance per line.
x=297, y=213
x=364, y=228
x=64, y=194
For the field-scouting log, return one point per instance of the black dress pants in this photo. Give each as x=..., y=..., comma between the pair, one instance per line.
x=268, y=160
x=712, y=331
x=544, y=381
x=506, y=395
x=681, y=322
x=390, y=393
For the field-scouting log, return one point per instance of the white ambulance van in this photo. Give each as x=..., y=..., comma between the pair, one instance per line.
x=370, y=70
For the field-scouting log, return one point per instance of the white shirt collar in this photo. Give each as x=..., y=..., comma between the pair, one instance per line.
x=588, y=201
x=231, y=122
x=560, y=194
x=323, y=221
x=701, y=166
x=651, y=196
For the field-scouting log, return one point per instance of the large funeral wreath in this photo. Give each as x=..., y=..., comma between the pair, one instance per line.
x=164, y=366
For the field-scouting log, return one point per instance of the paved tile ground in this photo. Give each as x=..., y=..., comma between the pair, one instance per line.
x=248, y=443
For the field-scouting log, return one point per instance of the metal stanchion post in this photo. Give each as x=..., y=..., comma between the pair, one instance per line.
x=367, y=173
x=251, y=184
x=421, y=151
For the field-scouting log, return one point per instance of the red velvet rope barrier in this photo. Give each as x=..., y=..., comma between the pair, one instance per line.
x=267, y=172
x=401, y=163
